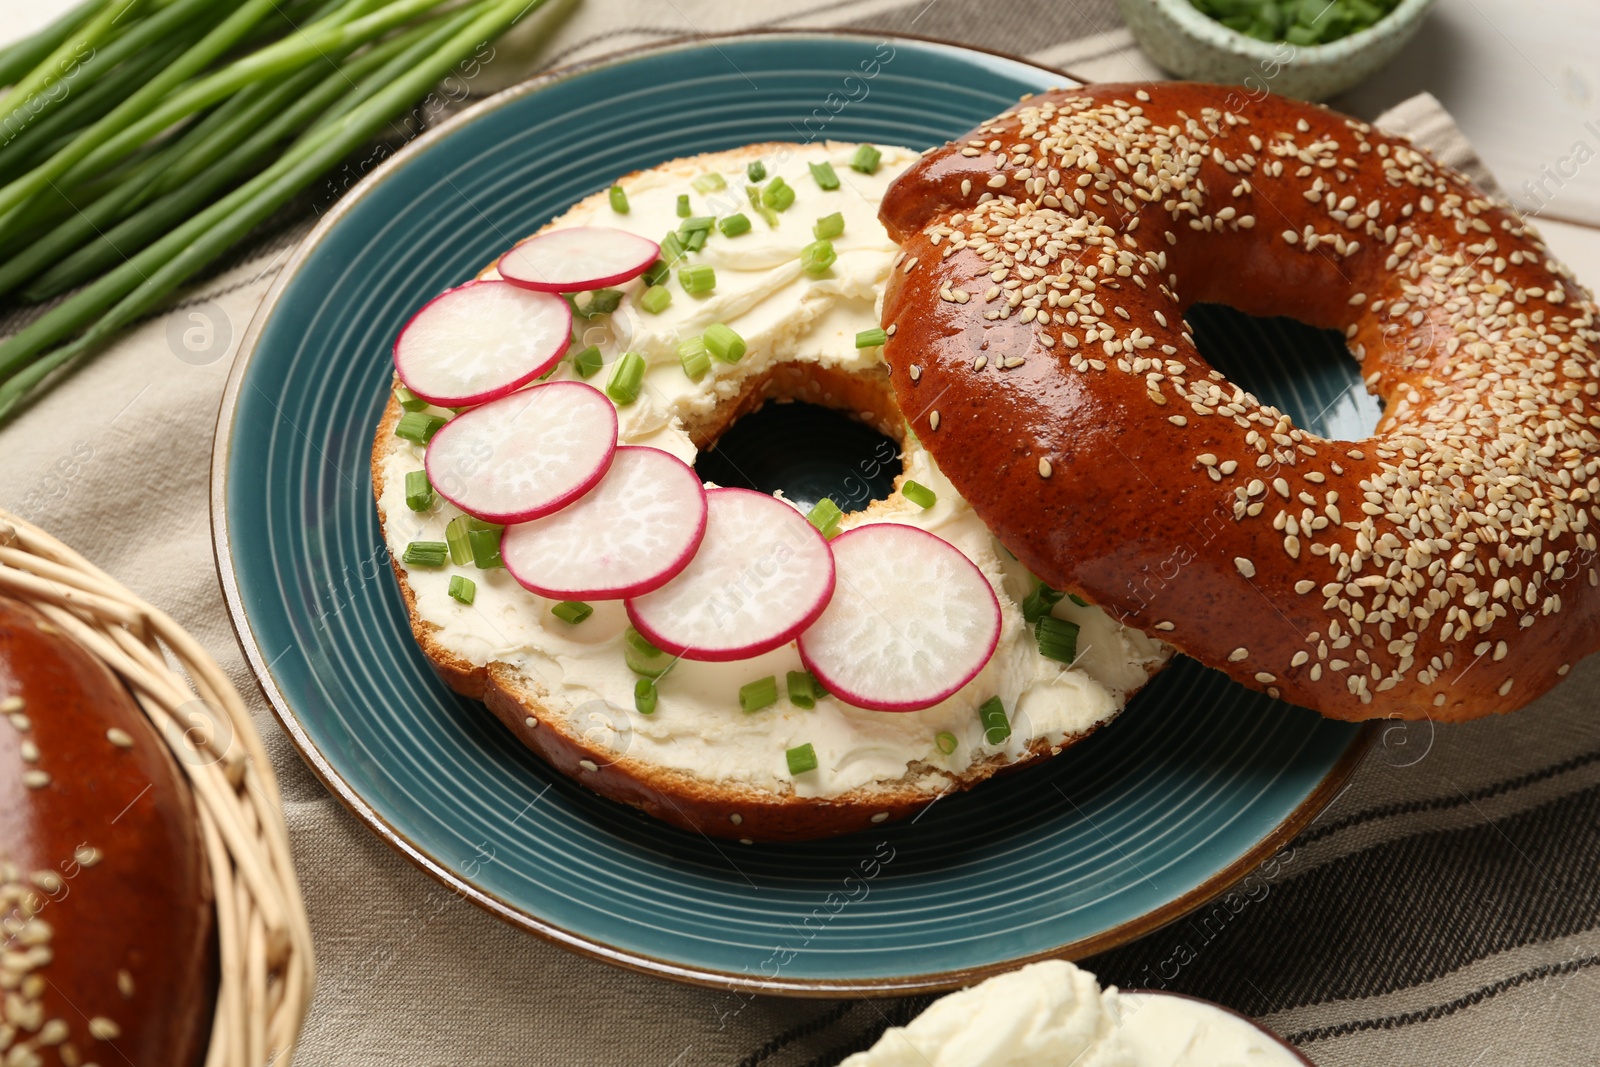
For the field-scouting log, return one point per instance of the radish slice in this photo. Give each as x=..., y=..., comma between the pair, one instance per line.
x=913, y=620
x=628, y=535
x=526, y=454
x=481, y=340
x=578, y=259
x=762, y=575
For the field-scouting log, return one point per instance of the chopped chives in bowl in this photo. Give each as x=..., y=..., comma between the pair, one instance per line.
x=824, y=174
x=817, y=257
x=571, y=612
x=619, y=200
x=655, y=299
x=828, y=227
x=721, y=341
x=419, y=491
x=626, y=379
x=919, y=494
x=1298, y=22
x=801, y=758
x=463, y=589
x=753, y=696
x=425, y=554
x=996, y=727
x=418, y=426
x=588, y=361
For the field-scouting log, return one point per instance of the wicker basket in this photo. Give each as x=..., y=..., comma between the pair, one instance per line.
x=262, y=930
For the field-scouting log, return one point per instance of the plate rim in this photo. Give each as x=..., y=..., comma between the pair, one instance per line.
x=1307, y=811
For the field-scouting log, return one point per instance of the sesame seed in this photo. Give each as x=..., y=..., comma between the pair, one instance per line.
x=736, y=818
x=1166, y=625
x=1246, y=568
x=1045, y=469
x=120, y=738
x=933, y=420
x=103, y=1029
x=11, y=704
x=588, y=765
x=530, y=722
x=125, y=984
x=35, y=779
x=880, y=816
x=1238, y=655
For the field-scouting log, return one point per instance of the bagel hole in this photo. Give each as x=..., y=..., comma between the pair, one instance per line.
x=808, y=432
x=1307, y=373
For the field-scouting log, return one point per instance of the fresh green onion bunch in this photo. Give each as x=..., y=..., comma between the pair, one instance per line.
x=1299, y=22
x=140, y=140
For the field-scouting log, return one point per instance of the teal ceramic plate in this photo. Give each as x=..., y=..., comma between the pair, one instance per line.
x=1197, y=782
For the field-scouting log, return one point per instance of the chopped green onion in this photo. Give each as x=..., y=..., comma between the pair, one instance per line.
x=996, y=727
x=409, y=401
x=802, y=758
x=734, y=224
x=873, y=338
x=588, y=361
x=723, y=343
x=824, y=174
x=1058, y=638
x=655, y=299
x=756, y=695
x=866, y=159
x=1078, y=600
x=671, y=248
x=418, y=426
x=692, y=223
x=825, y=516
x=761, y=209
x=425, y=554
x=946, y=741
x=694, y=357
x=817, y=257
x=463, y=588
x=600, y=302
x=709, y=183
x=644, y=696
x=484, y=539
x=697, y=279
x=626, y=378
x=455, y=535
x=656, y=273
x=642, y=657
x=695, y=240
x=683, y=205
x=756, y=171
x=828, y=227
x=777, y=195
x=804, y=689
x=1039, y=602
x=619, y=200
x=919, y=494
x=571, y=612
x=419, y=491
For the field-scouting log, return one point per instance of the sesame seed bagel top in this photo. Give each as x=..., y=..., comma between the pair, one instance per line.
x=1443, y=568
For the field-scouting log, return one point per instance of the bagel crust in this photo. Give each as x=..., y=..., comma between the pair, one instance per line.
x=1442, y=568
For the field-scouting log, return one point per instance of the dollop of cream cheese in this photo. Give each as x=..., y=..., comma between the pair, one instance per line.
x=1054, y=1014
x=784, y=314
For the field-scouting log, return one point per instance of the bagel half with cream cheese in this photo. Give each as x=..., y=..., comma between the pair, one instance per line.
x=698, y=760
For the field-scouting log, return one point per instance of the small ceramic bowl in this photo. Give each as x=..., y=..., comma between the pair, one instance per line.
x=1192, y=45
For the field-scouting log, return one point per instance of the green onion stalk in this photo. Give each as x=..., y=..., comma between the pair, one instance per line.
x=370, y=91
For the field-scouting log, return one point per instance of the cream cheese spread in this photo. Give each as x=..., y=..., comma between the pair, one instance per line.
x=784, y=314
x=1053, y=1014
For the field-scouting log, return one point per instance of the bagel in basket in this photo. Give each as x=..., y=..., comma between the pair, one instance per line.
x=1444, y=567
x=106, y=914
x=738, y=740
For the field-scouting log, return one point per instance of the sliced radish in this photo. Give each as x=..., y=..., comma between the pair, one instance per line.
x=524, y=455
x=578, y=259
x=762, y=575
x=913, y=620
x=481, y=340
x=628, y=535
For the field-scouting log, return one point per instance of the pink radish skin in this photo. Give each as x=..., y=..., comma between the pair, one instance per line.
x=633, y=532
x=577, y=259
x=479, y=341
x=913, y=620
x=761, y=576
x=524, y=455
